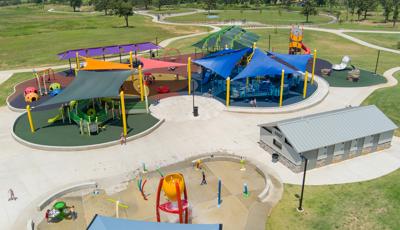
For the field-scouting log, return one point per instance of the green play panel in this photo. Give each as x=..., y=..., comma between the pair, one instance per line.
x=367, y=78
x=66, y=134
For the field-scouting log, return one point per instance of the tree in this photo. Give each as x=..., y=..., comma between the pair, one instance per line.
x=257, y=4
x=210, y=4
x=287, y=3
x=396, y=4
x=146, y=4
x=160, y=3
x=101, y=5
x=309, y=9
x=387, y=6
x=364, y=6
x=352, y=5
x=123, y=8
x=75, y=4
x=320, y=2
x=331, y=4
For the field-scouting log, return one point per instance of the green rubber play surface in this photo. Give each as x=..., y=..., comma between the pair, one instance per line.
x=367, y=78
x=66, y=134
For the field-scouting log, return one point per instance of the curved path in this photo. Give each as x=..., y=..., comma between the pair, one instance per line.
x=33, y=173
x=238, y=22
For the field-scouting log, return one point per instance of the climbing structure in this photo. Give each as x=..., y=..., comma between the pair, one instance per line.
x=296, y=44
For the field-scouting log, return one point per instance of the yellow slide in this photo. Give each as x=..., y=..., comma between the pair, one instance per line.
x=59, y=115
x=54, y=119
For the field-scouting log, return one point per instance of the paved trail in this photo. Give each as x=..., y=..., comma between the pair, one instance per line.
x=35, y=173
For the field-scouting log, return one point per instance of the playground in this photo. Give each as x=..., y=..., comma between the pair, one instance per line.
x=229, y=69
x=92, y=102
x=237, y=210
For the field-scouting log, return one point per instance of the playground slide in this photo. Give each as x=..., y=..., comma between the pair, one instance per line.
x=54, y=119
x=305, y=48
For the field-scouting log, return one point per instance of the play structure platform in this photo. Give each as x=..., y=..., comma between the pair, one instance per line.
x=61, y=134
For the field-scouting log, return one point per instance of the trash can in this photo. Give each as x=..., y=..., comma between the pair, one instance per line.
x=195, y=111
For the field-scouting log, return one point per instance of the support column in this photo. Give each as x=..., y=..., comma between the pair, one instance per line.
x=123, y=114
x=131, y=63
x=228, y=91
x=141, y=83
x=313, y=66
x=305, y=84
x=281, y=91
x=189, y=72
x=28, y=110
x=77, y=64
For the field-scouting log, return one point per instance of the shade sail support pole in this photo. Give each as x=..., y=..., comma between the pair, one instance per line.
x=281, y=91
x=313, y=66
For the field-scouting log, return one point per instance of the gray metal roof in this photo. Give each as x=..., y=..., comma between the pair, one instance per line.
x=328, y=128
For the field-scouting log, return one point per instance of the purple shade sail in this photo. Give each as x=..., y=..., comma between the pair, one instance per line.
x=115, y=49
x=95, y=52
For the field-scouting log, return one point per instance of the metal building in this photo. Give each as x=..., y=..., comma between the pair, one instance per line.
x=328, y=137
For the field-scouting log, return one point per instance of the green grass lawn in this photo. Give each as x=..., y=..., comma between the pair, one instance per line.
x=68, y=8
x=385, y=40
x=31, y=37
x=331, y=47
x=387, y=99
x=170, y=10
x=362, y=26
x=271, y=17
x=7, y=87
x=365, y=205
x=374, y=21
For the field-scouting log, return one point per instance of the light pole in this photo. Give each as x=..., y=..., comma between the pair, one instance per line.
x=300, y=208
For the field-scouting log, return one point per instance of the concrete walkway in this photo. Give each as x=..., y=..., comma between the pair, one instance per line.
x=34, y=173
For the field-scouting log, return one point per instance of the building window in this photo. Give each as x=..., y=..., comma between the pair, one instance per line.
x=339, y=149
x=322, y=153
x=369, y=141
x=268, y=130
x=287, y=142
x=353, y=145
x=277, y=144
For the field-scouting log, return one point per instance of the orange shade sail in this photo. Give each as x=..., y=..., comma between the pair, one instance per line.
x=93, y=64
x=148, y=64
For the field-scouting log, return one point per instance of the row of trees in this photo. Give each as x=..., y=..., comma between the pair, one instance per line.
x=359, y=7
x=124, y=8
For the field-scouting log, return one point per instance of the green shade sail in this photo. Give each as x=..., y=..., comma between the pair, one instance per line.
x=233, y=37
x=92, y=84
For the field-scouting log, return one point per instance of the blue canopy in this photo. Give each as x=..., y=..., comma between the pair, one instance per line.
x=111, y=223
x=261, y=65
x=222, y=64
x=297, y=61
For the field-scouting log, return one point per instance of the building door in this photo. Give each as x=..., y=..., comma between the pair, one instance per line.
x=346, y=150
x=375, y=142
x=360, y=144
